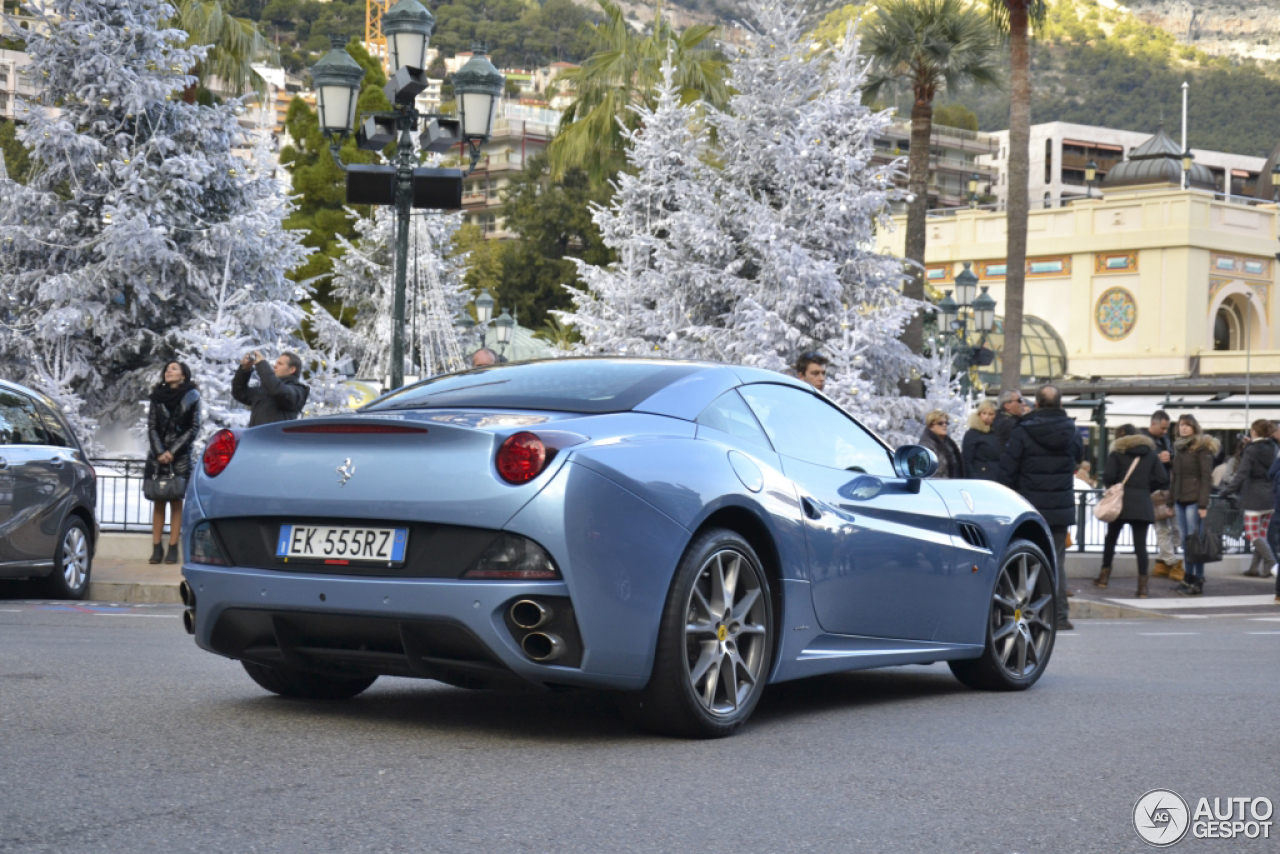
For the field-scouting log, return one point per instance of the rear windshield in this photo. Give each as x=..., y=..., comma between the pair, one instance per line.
x=563, y=385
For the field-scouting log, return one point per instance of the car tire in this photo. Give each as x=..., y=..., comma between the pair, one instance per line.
x=715, y=643
x=1021, y=624
x=302, y=685
x=72, y=562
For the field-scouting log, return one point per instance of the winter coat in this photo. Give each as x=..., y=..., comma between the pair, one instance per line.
x=1251, y=482
x=1274, y=474
x=1003, y=426
x=1164, y=443
x=1148, y=476
x=1039, y=463
x=1191, y=470
x=173, y=429
x=273, y=399
x=950, y=463
x=980, y=450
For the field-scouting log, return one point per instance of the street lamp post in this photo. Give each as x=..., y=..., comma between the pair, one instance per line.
x=960, y=316
x=974, y=179
x=408, y=27
x=1090, y=173
x=1275, y=182
x=1187, y=158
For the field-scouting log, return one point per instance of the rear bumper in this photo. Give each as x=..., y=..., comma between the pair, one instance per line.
x=453, y=630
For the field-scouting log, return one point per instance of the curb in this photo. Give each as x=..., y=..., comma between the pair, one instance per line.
x=124, y=592
x=1087, y=609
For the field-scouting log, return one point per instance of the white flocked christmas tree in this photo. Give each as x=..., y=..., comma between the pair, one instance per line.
x=363, y=280
x=146, y=232
x=761, y=247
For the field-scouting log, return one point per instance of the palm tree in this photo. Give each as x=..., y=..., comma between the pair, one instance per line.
x=931, y=46
x=235, y=44
x=1015, y=18
x=623, y=72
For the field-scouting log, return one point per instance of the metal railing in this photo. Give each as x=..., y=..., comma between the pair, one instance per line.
x=121, y=506
x=1089, y=533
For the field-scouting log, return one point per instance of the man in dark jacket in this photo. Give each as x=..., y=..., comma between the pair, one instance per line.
x=1039, y=463
x=1008, y=414
x=1168, y=537
x=279, y=395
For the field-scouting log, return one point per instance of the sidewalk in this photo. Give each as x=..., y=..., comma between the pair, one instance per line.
x=122, y=572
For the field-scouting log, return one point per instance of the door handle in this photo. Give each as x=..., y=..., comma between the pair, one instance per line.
x=4, y=464
x=57, y=462
x=810, y=509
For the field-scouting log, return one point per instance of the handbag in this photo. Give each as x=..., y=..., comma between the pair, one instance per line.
x=1203, y=547
x=164, y=487
x=1163, y=510
x=1112, y=501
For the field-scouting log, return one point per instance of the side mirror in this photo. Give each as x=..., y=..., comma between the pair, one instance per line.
x=914, y=462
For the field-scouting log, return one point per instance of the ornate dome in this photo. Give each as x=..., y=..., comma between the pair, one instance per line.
x=1157, y=161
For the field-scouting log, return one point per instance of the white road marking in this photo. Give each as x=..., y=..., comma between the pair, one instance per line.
x=1266, y=619
x=1197, y=602
x=1262, y=633
x=161, y=616
x=11, y=610
x=1165, y=634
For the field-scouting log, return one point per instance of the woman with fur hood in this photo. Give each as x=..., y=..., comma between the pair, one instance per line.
x=980, y=447
x=1132, y=450
x=1253, y=486
x=935, y=438
x=1190, y=479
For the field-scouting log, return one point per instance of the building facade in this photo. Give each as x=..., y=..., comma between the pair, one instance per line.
x=955, y=154
x=1060, y=151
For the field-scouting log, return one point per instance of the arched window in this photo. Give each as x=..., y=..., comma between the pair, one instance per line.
x=1048, y=162
x=1048, y=200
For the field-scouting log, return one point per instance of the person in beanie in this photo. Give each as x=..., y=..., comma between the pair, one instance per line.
x=1039, y=463
x=981, y=448
x=1253, y=486
x=1190, y=480
x=279, y=395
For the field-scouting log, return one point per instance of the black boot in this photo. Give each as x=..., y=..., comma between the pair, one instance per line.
x=172, y=556
x=157, y=553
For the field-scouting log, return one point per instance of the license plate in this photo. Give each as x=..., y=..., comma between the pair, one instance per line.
x=342, y=544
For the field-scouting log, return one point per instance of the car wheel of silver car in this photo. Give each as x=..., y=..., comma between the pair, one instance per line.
x=715, y=643
x=72, y=561
x=1021, y=626
x=302, y=685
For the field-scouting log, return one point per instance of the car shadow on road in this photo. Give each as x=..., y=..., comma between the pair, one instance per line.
x=851, y=691
x=584, y=716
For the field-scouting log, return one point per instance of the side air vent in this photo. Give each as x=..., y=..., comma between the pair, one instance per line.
x=974, y=536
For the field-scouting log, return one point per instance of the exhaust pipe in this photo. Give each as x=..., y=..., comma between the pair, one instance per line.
x=187, y=595
x=542, y=646
x=528, y=614
x=189, y=621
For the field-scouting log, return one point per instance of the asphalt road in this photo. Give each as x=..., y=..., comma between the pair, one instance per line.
x=118, y=735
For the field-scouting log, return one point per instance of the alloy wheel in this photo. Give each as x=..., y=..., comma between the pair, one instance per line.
x=75, y=558
x=726, y=632
x=1022, y=616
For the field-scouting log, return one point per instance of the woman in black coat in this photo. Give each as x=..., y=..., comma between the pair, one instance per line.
x=1132, y=450
x=935, y=438
x=173, y=423
x=1253, y=486
x=980, y=448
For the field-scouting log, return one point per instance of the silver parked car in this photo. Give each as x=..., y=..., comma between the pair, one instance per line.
x=48, y=494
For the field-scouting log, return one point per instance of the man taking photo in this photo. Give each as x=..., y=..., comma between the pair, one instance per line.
x=279, y=394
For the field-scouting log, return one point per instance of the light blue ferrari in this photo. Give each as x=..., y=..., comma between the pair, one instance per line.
x=684, y=533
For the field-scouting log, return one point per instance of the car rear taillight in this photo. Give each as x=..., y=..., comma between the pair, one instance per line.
x=204, y=547
x=521, y=458
x=219, y=451
x=512, y=557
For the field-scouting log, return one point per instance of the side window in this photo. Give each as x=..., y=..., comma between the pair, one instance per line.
x=54, y=429
x=805, y=427
x=19, y=423
x=728, y=414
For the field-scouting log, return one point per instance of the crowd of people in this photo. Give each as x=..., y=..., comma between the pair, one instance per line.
x=1168, y=480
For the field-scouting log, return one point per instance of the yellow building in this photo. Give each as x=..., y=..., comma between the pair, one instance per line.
x=1148, y=290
